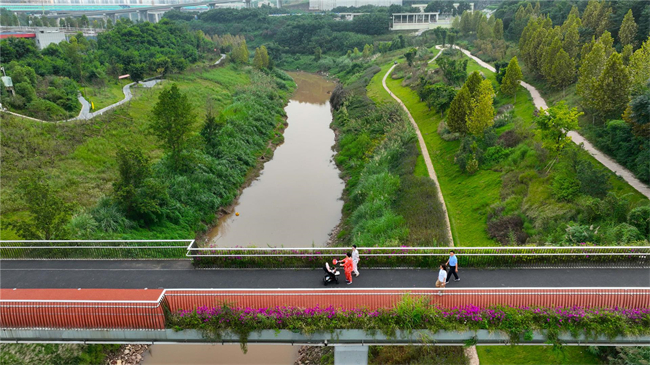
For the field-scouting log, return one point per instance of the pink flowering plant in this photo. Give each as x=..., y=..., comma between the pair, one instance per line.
x=417, y=315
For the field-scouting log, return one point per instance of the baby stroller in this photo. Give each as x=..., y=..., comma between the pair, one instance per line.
x=330, y=274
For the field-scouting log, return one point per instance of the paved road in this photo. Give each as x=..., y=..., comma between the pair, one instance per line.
x=180, y=274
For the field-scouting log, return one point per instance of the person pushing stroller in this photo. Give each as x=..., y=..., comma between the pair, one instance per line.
x=348, y=266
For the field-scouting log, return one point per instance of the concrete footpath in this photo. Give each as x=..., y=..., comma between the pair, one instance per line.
x=31, y=274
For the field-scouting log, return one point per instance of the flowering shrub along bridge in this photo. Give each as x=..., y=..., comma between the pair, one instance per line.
x=582, y=256
x=584, y=313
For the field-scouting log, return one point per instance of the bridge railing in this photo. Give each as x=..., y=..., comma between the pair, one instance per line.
x=426, y=257
x=187, y=299
x=149, y=309
x=87, y=308
x=94, y=250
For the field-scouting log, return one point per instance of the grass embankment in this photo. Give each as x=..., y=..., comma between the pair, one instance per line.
x=79, y=157
x=469, y=197
x=104, y=96
x=533, y=355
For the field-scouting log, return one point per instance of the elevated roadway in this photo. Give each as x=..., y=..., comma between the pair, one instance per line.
x=129, y=274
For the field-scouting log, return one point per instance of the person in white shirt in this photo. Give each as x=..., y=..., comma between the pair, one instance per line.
x=355, y=260
x=442, y=277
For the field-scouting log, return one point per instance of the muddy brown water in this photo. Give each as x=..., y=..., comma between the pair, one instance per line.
x=220, y=355
x=296, y=200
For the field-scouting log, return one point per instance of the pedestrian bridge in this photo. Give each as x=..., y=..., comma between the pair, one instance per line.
x=125, y=291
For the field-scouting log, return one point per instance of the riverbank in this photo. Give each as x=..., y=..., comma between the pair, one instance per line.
x=78, y=157
x=292, y=200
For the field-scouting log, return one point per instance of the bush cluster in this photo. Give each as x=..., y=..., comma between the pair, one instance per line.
x=411, y=315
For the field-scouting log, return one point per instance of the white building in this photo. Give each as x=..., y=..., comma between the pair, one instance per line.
x=323, y=5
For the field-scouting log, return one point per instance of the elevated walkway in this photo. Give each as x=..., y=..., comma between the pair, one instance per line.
x=152, y=274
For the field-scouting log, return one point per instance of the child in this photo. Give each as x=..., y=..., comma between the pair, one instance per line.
x=348, y=265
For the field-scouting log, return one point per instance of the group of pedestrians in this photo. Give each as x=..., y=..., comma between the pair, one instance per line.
x=443, y=276
x=351, y=264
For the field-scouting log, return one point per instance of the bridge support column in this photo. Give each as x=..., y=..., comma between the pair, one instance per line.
x=143, y=16
x=350, y=355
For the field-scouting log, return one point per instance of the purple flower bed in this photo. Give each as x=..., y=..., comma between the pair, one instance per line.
x=517, y=322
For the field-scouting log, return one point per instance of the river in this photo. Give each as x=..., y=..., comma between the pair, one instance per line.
x=295, y=202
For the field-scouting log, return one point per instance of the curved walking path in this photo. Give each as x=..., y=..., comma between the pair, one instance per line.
x=425, y=151
x=576, y=137
x=85, y=113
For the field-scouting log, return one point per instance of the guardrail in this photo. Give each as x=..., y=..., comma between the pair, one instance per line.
x=148, y=309
x=87, y=308
x=426, y=257
x=178, y=299
x=94, y=250
x=314, y=257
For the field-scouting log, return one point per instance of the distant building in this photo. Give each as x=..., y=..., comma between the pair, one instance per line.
x=46, y=37
x=323, y=5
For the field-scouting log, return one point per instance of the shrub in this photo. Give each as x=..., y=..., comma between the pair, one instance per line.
x=579, y=233
x=495, y=154
x=446, y=134
x=508, y=230
x=565, y=187
x=82, y=226
x=640, y=218
x=625, y=233
x=509, y=139
x=593, y=180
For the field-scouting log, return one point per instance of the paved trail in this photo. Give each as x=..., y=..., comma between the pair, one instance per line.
x=575, y=136
x=30, y=274
x=425, y=152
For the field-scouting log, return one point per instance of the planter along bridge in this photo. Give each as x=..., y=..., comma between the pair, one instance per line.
x=68, y=290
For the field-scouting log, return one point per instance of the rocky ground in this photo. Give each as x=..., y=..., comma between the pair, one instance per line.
x=128, y=355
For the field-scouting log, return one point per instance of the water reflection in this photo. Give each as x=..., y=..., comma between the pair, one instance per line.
x=220, y=355
x=295, y=202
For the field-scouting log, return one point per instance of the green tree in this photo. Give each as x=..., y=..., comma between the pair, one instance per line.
x=459, y=111
x=591, y=68
x=318, y=53
x=596, y=17
x=554, y=125
x=550, y=53
x=47, y=213
x=367, y=51
x=258, y=63
x=410, y=56
x=172, y=121
x=627, y=33
x=498, y=29
x=473, y=84
x=439, y=96
x=264, y=53
x=612, y=88
x=639, y=66
x=572, y=40
x=563, y=71
x=137, y=193
x=511, y=80
x=481, y=116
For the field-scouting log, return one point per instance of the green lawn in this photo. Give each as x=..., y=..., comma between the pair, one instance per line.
x=105, y=96
x=467, y=197
x=535, y=355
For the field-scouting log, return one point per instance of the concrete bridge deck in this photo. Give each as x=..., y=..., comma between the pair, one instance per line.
x=125, y=274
